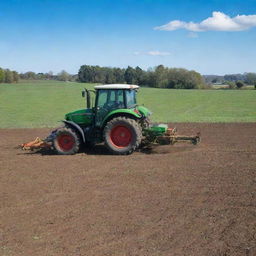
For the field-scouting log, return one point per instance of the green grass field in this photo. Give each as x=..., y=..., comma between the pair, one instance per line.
x=44, y=103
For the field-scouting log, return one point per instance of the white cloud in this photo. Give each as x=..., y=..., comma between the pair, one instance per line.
x=218, y=22
x=157, y=53
x=152, y=53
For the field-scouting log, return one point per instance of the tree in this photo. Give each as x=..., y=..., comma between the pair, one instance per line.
x=110, y=77
x=85, y=74
x=63, y=76
x=234, y=77
x=119, y=75
x=231, y=85
x=130, y=75
x=239, y=84
x=8, y=76
x=28, y=75
x=2, y=75
x=161, y=77
x=15, y=76
x=139, y=75
x=49, y=75
x=250, y=78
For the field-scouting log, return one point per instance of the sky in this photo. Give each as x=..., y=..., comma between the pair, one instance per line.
x=211, y=37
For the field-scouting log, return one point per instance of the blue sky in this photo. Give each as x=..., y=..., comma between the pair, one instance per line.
x=44, y=35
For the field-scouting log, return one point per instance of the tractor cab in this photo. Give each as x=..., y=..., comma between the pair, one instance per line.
x=110, y=100
x=113, y=97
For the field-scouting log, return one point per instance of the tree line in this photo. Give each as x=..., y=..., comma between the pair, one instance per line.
x=246, y=78
x=159, y=77
x=8, y=76
x=61, y=76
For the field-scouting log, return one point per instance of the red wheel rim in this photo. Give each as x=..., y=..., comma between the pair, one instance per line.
x=66, y=142
x=121, y=136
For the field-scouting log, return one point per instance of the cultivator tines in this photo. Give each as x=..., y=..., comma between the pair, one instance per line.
x=171, y=137
x=162, y=135
x=36, y=144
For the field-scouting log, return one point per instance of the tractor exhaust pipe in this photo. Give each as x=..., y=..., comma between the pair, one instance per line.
x=88, y=97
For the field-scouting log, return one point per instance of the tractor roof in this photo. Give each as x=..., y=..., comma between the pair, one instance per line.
x=116, y=86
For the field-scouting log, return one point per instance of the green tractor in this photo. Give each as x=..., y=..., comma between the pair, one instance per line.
x=115, y=119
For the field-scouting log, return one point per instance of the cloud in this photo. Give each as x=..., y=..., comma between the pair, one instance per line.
x=218, y=22
x=157, y=53
x=152, y=53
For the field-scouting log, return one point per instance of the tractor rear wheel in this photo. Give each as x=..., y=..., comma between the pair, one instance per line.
x=66, y=141
x=122, y=135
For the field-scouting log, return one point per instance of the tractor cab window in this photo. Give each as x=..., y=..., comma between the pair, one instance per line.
x=116, y=99
x=102, y=98
x=110, y=99
x=131, y=98
x=107, y=101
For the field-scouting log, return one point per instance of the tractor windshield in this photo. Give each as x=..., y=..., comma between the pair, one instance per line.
x=131, y=98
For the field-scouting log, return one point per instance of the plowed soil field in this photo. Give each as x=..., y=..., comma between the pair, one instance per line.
x=172, y=200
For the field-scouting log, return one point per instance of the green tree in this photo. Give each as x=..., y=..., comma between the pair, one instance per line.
x=250, y=78
x=30, y=75
x=2, y=75
x=63, y=76
x=130, y=75
x=110, y=77
x=139, y=75
x=8, y=76
x=119, y=75
x=239, y=84
x=231, y=85
x=16, y=76
x=86, y=74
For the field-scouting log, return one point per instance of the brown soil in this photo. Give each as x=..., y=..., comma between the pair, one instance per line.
x=174, y=200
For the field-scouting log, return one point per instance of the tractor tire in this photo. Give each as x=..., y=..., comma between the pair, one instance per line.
x=66, y=141
x=122, y=135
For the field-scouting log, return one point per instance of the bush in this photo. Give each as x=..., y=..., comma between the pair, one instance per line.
x=239, y=84
x=231, y=85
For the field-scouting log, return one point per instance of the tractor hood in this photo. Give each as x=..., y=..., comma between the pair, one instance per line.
x=144, y=111
x=81, y=116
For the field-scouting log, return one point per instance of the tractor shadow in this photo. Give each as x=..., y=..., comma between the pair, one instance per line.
x=95, y=150
x=100, y=149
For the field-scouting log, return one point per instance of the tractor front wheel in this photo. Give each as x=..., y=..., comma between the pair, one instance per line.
x=66, y=141
x=122, y=135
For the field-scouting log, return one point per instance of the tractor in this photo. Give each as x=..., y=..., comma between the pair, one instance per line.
x=114, y=118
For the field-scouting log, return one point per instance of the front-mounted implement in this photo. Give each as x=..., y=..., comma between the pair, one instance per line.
x=115, y=118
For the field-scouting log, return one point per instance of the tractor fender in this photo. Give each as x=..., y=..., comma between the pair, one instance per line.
x=76, y=127
x=121, y=112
